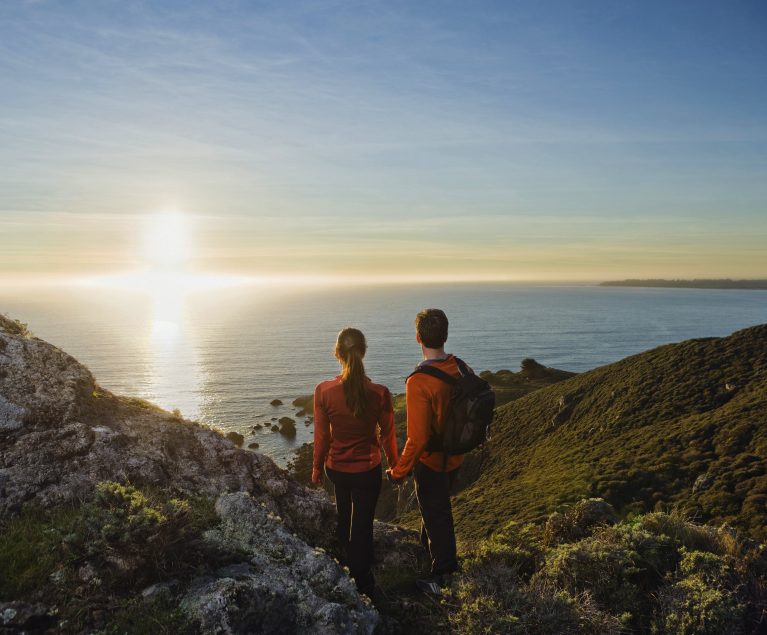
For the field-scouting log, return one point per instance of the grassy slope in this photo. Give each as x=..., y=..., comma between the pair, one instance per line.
x=638, y=433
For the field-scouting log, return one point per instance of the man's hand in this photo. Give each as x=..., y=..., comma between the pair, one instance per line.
x=396, y=481
x=317, y=477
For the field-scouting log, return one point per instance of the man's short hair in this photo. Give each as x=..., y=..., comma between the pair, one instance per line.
x=431, y=326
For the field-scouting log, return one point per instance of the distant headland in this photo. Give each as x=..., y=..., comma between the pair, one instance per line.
x=725, y=283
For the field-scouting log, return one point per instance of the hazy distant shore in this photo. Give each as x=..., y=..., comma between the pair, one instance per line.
x=690, y=284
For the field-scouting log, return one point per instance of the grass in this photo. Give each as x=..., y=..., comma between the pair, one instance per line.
x=91, y=559
x=639, y=433
x=31, y=549
x=13, y=327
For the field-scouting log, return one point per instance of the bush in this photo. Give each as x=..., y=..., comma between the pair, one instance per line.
x=703, y=600
x=578, y=521
x=652, y=574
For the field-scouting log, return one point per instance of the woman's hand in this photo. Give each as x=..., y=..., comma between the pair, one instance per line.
x=317, y=476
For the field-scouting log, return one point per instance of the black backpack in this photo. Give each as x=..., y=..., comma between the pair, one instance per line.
x=468, y=418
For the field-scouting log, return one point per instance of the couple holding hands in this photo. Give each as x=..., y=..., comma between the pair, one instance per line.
x=354, y=419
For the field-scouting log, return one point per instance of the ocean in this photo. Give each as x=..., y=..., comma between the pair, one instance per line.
x=221, y=355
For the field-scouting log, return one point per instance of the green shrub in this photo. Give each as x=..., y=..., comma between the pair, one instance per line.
x=578, y=521
x=140, y=537
x=130, y=537
x=704, y=598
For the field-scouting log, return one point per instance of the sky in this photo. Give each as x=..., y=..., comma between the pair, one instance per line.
x=475, y=140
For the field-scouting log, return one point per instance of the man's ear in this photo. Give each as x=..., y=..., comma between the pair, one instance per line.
x=417, y=337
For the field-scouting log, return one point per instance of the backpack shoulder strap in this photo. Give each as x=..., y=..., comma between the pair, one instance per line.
x=462, y=367
x=434, y=372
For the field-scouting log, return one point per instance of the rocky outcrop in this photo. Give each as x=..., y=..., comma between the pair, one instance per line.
x=61, y=434
x=285, y=586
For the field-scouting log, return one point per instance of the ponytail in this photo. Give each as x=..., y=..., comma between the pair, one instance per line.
x=350, y=349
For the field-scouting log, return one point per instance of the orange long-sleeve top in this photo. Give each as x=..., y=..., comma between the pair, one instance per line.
x=427, y=401
x=347, y=443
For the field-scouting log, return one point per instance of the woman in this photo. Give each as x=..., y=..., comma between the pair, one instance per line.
x=350, y=412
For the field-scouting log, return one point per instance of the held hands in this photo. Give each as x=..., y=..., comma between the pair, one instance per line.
x=396, y=481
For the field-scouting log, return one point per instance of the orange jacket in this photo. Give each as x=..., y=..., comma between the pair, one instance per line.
x=427, y=401
x=343, y=441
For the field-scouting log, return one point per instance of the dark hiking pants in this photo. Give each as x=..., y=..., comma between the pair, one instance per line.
x=437, y=534
x=356, y=498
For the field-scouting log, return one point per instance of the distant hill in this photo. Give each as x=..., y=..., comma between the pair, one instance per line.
x=682, y=425
x=689, y=284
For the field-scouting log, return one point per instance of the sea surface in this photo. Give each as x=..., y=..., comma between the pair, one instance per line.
x=221, y=355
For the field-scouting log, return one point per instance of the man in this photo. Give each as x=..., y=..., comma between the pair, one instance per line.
x=428, y=399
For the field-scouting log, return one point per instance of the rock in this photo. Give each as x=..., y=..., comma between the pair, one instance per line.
x=566, y=404
x=703, y=482
x=305, y=402
x=275, y=428
x=87, y=573
x=159, y=590
x=301, y=413
x=286, y=420
x=276, y=402
x=285, y=587
x=23, y=617
x=258, y=426
x=531, y=368
x=253, y=446
x=288, y=427
x=236, y=438
x=274, y=419
x=40, y=385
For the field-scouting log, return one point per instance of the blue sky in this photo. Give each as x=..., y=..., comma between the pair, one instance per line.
x=528, y=140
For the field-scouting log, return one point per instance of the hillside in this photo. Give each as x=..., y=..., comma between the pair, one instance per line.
x=680, y=426
x=119, y=517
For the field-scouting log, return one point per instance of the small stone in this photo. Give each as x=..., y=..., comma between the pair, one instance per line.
x=236, y=438
x=253, y=446
x=288, y=427
x=276, y=402
x=156, y=591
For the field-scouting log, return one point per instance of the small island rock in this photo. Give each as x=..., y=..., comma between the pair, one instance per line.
x=236, y=438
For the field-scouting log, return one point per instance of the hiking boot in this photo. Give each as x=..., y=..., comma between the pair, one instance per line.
x=434, y=584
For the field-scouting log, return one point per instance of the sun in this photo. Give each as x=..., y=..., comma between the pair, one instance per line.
x=166, y=242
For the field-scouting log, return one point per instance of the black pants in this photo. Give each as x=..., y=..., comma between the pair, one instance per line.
x=356, y=498
x=437, y=534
